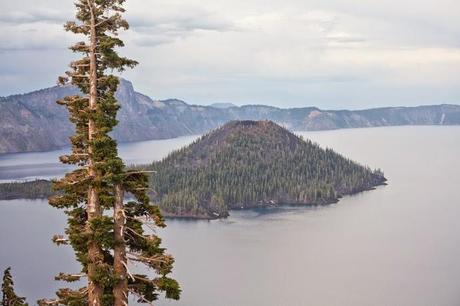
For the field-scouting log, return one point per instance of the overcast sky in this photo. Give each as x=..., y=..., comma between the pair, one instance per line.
x=288, y=53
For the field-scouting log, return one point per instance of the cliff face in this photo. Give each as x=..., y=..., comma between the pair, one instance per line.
x=34, y=122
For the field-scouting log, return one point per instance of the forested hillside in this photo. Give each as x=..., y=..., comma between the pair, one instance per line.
x=247, y=164
x=38, y=189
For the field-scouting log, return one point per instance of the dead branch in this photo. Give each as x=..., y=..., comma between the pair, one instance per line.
x=140, y=258
x=141, y=297
x=127, y=271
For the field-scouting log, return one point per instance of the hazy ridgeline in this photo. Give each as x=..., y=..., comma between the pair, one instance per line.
x=28, y=122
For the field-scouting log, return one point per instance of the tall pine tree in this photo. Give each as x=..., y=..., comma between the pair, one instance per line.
x=10, y=298
x=105, y=243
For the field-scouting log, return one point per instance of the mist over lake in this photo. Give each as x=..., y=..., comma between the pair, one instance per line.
x=396, y=245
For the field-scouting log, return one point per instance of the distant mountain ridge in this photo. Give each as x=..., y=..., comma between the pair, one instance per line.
x=34, y=122
x=222, y=105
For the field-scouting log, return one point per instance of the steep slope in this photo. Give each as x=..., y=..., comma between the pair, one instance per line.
x=34, y=122
x=248, y=164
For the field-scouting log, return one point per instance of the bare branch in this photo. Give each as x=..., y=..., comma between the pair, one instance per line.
x=136, y=233
x=127, y=271
x=141, y=297
x=48, y=302
x=60, y=239
x=151, y=260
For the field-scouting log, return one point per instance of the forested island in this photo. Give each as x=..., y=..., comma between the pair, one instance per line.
x=38, y=189
x=247, y=164
x=243, y=164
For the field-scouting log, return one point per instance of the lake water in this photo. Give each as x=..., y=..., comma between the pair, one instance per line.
x=397, y=245
x=46, y=165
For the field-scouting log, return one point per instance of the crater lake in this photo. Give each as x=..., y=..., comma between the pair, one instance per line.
x=396, y=245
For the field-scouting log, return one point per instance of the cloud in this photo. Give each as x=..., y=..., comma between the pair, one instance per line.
x=33, y=28
x=152, y=40
x=167, y=23
x=37, y=36
x=32, y=16
x=410, y=23
x=182, y=21
x=245, y=51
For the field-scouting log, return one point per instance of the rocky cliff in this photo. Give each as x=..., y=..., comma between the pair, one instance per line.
x=34, y=122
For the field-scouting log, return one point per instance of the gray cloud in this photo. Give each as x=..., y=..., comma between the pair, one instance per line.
x=330, y=53
x=181, y=22
x=153, y=29
x=33, y=36
x=409, y=23
x=32, y=16
x=152, y=41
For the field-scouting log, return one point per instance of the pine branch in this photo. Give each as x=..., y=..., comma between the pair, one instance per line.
x=45, y=302
x=143, y=259
x=146, y=280
x=70, y=277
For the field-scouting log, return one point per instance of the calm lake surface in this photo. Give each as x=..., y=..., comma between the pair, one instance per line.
x=395, y=246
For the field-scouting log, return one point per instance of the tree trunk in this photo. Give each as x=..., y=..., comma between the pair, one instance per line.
x=95, y=255
x=120, y=290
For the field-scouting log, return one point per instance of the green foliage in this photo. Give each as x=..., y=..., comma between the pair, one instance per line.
x=10, y=298
x=249, y=164
x=88, y=194
x=38, y=189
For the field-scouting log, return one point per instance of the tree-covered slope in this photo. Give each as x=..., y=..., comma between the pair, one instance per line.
x=248, y=164
x=38, y=189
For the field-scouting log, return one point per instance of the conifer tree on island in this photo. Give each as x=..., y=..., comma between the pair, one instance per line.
x=105, y=232
x=10, y=298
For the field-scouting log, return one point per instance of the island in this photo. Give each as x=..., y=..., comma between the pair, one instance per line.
x=249, y=164
x=241, y=165
x=30, y=190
